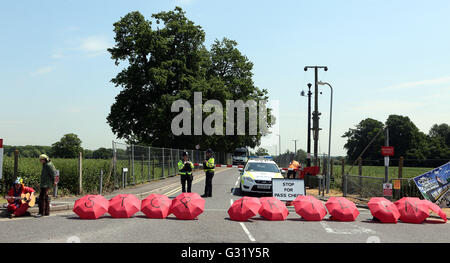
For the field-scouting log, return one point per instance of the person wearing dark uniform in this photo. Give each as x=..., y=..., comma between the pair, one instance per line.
x=208, y=166
x=185, y=170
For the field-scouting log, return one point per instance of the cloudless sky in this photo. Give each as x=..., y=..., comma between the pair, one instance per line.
x=384, y=57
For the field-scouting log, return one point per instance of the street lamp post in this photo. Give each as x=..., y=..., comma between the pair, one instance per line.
x=329, y=135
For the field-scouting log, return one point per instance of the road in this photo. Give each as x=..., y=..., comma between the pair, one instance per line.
x=214, y=225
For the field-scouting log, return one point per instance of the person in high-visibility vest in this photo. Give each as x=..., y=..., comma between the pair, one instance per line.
x=294, y=166
x=208, y=166
x=185, y=171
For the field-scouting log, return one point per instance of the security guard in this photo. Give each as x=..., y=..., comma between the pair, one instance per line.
x=208, y=166
x=185, y=170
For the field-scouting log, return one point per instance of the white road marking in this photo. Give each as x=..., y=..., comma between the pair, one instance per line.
x=247, y=232
x=245, y=228
x=354, y=229
x=233, y=192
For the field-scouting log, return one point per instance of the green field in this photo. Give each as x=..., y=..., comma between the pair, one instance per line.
x=378, y=171
x=30, y=169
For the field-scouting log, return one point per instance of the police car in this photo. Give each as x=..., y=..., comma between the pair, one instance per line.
x=256, y=176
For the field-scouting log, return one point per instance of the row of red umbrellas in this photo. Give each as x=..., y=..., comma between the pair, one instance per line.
x=186, y=206
x=408, y=210
x=307, y=207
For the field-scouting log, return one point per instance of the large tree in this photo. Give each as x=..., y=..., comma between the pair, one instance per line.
x=405, y=137
x=68, y=147
x=359, y=137
x=168, y=62
x=441, y=131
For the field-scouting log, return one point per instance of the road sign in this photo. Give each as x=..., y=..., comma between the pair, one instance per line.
x=1, y=158
x=387, y=150
x=287, y=189
x=387, y=189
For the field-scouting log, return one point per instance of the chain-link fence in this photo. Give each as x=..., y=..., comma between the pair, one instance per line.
x=135, y=164
x=363, y=187
x=371, y=175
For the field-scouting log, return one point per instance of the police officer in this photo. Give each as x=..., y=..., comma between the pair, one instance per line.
x=208, y=166
x=185, y=170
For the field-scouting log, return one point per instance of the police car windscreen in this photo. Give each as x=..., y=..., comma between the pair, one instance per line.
x=240, y=153
x=262, y=167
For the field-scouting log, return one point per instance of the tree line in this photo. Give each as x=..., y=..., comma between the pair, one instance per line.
x=417, y=147
x=69, y=146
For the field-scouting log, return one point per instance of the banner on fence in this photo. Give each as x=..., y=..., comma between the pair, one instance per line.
x=434, y=185
x=287, y=189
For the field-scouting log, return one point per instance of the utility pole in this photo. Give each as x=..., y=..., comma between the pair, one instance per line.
x=308, y=151
x=316, y=113
x=386, y=159
x=295, y=148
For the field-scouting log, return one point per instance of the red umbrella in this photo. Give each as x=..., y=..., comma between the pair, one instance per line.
x=412, y=210
x=156, y=206
x=124, y=206
x=309, y=208
x=435, y=208
x=187, y=206
x=91, y=206
x=342, y=209
x=384, y=210
x=244, y=208
x=273, y=209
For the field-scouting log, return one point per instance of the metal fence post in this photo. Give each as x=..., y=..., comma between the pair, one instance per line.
x=360, y=173
x=169, y=168
x=114, y=171
x=80, y=169
x=101, y=181
x=142, y=167
x=16, y=164
x=171, y=162
x=132, y=164
x=149, y=160
x=162, y=164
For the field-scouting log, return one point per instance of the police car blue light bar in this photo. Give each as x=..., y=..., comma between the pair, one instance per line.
x=261, y=157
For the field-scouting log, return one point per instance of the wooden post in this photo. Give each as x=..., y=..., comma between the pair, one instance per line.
x=101, y=181
x=400, y=167
x=360, y=173
x=80, y=169
x=16, y=164
x=343, y=177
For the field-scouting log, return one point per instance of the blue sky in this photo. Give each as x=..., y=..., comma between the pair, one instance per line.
x=384, y=57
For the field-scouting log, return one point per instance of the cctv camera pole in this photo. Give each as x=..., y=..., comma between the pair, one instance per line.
x=316, y=113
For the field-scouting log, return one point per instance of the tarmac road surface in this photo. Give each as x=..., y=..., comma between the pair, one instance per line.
x=214, y=225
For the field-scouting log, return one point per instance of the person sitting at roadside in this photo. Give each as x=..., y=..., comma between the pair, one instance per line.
x=16, y=206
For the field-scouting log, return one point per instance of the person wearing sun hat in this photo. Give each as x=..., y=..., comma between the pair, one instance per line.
x=47, y=181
